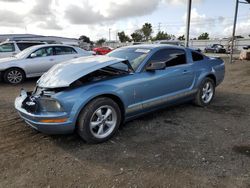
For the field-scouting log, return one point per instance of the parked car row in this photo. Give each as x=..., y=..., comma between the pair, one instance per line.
x=11, y=48
x=35, y=60
x=94, y=95
x=102, y=50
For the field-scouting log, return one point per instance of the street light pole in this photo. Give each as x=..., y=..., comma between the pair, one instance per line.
x=189, y=5
x=109, y=34
x=234, y=28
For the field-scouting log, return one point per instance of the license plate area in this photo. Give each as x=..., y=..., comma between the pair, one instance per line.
x=29, y=103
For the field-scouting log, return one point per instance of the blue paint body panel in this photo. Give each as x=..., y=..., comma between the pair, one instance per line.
x=140, y=92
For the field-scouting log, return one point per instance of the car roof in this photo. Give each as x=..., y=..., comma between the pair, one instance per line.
x=29, y=42
x=154, y=46
x=48, y=45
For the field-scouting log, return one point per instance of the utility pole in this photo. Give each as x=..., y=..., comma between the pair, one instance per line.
x=109, y=34
x=189, y=5
x=159, y=27
x=234, y=28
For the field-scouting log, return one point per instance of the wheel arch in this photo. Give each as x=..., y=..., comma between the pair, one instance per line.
x=112, y=96
x=213, y=77
x=15, y=68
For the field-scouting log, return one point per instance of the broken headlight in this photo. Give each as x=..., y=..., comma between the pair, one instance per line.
x=49, y=105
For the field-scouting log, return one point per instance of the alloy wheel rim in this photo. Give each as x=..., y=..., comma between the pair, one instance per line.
x=103, y=121
x=14, y=76
x=207, y=92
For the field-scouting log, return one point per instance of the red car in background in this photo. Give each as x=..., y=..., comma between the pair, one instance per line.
x=102, y=50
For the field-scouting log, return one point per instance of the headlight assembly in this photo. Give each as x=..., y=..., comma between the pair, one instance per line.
x=49, y=105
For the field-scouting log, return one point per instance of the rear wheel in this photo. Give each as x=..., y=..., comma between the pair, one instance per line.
x=14, y=76
x=205, y=93
x=99, y=120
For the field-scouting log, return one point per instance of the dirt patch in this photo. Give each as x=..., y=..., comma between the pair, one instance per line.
x=180, y=146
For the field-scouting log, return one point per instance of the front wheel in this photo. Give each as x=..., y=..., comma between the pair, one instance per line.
x=14, y=76
x=99, y=120
x=205, y=93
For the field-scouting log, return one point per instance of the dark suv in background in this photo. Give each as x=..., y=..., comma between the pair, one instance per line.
x=215, y=48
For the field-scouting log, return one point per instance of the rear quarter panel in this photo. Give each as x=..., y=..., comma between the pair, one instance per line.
x=207, y=67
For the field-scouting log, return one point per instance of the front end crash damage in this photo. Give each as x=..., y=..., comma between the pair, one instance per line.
x=64, y=74
x=42, y=112
x=48, y=110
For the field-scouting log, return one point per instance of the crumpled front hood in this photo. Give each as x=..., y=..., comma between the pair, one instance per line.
x=65, y=73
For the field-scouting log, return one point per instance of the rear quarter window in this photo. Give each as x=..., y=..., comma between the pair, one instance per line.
x=64, y=50
x=197, y=56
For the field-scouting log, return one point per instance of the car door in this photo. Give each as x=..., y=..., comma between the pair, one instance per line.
x=162, y=86
x=64, y=53
x=40, y=61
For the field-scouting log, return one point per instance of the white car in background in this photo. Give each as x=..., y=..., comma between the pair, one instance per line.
x=35, y=60
x=10, y=48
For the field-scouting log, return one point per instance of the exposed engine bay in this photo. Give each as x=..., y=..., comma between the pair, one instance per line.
x=98, y=75
x=101, y=74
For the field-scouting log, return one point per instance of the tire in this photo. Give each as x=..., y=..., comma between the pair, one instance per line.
x=99, y=120
x=205, y=93
x=14, y=76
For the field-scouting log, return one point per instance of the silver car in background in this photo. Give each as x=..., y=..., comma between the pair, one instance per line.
x=10, y=48
x=34, y=61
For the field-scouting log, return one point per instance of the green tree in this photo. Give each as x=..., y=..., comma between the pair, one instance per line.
x=182, y=37
x=123, y=37
x=161, y=35
x=137, y=36
x=203, y=36
x=100, y=41
x=147, y=31
x=84, y=38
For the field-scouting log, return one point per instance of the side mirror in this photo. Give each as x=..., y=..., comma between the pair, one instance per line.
x=156, y=66
x=33, y=55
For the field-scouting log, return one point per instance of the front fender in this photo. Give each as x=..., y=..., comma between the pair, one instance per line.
x=89, y=94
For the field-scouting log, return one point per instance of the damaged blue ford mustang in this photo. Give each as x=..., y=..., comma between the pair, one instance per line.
x=94, y=95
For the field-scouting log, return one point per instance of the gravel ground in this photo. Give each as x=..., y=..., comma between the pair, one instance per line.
x=181, y=146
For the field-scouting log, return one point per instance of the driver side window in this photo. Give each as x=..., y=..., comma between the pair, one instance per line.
x=43, y=52
x=171, y=57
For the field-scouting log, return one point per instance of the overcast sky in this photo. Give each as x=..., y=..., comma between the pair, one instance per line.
x=93, y=18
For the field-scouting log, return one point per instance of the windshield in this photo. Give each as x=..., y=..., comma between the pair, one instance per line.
x=24, y=53
x=135, y=56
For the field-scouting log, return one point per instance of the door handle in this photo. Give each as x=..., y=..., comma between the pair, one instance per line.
x=51, y=59
x=185, y=72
